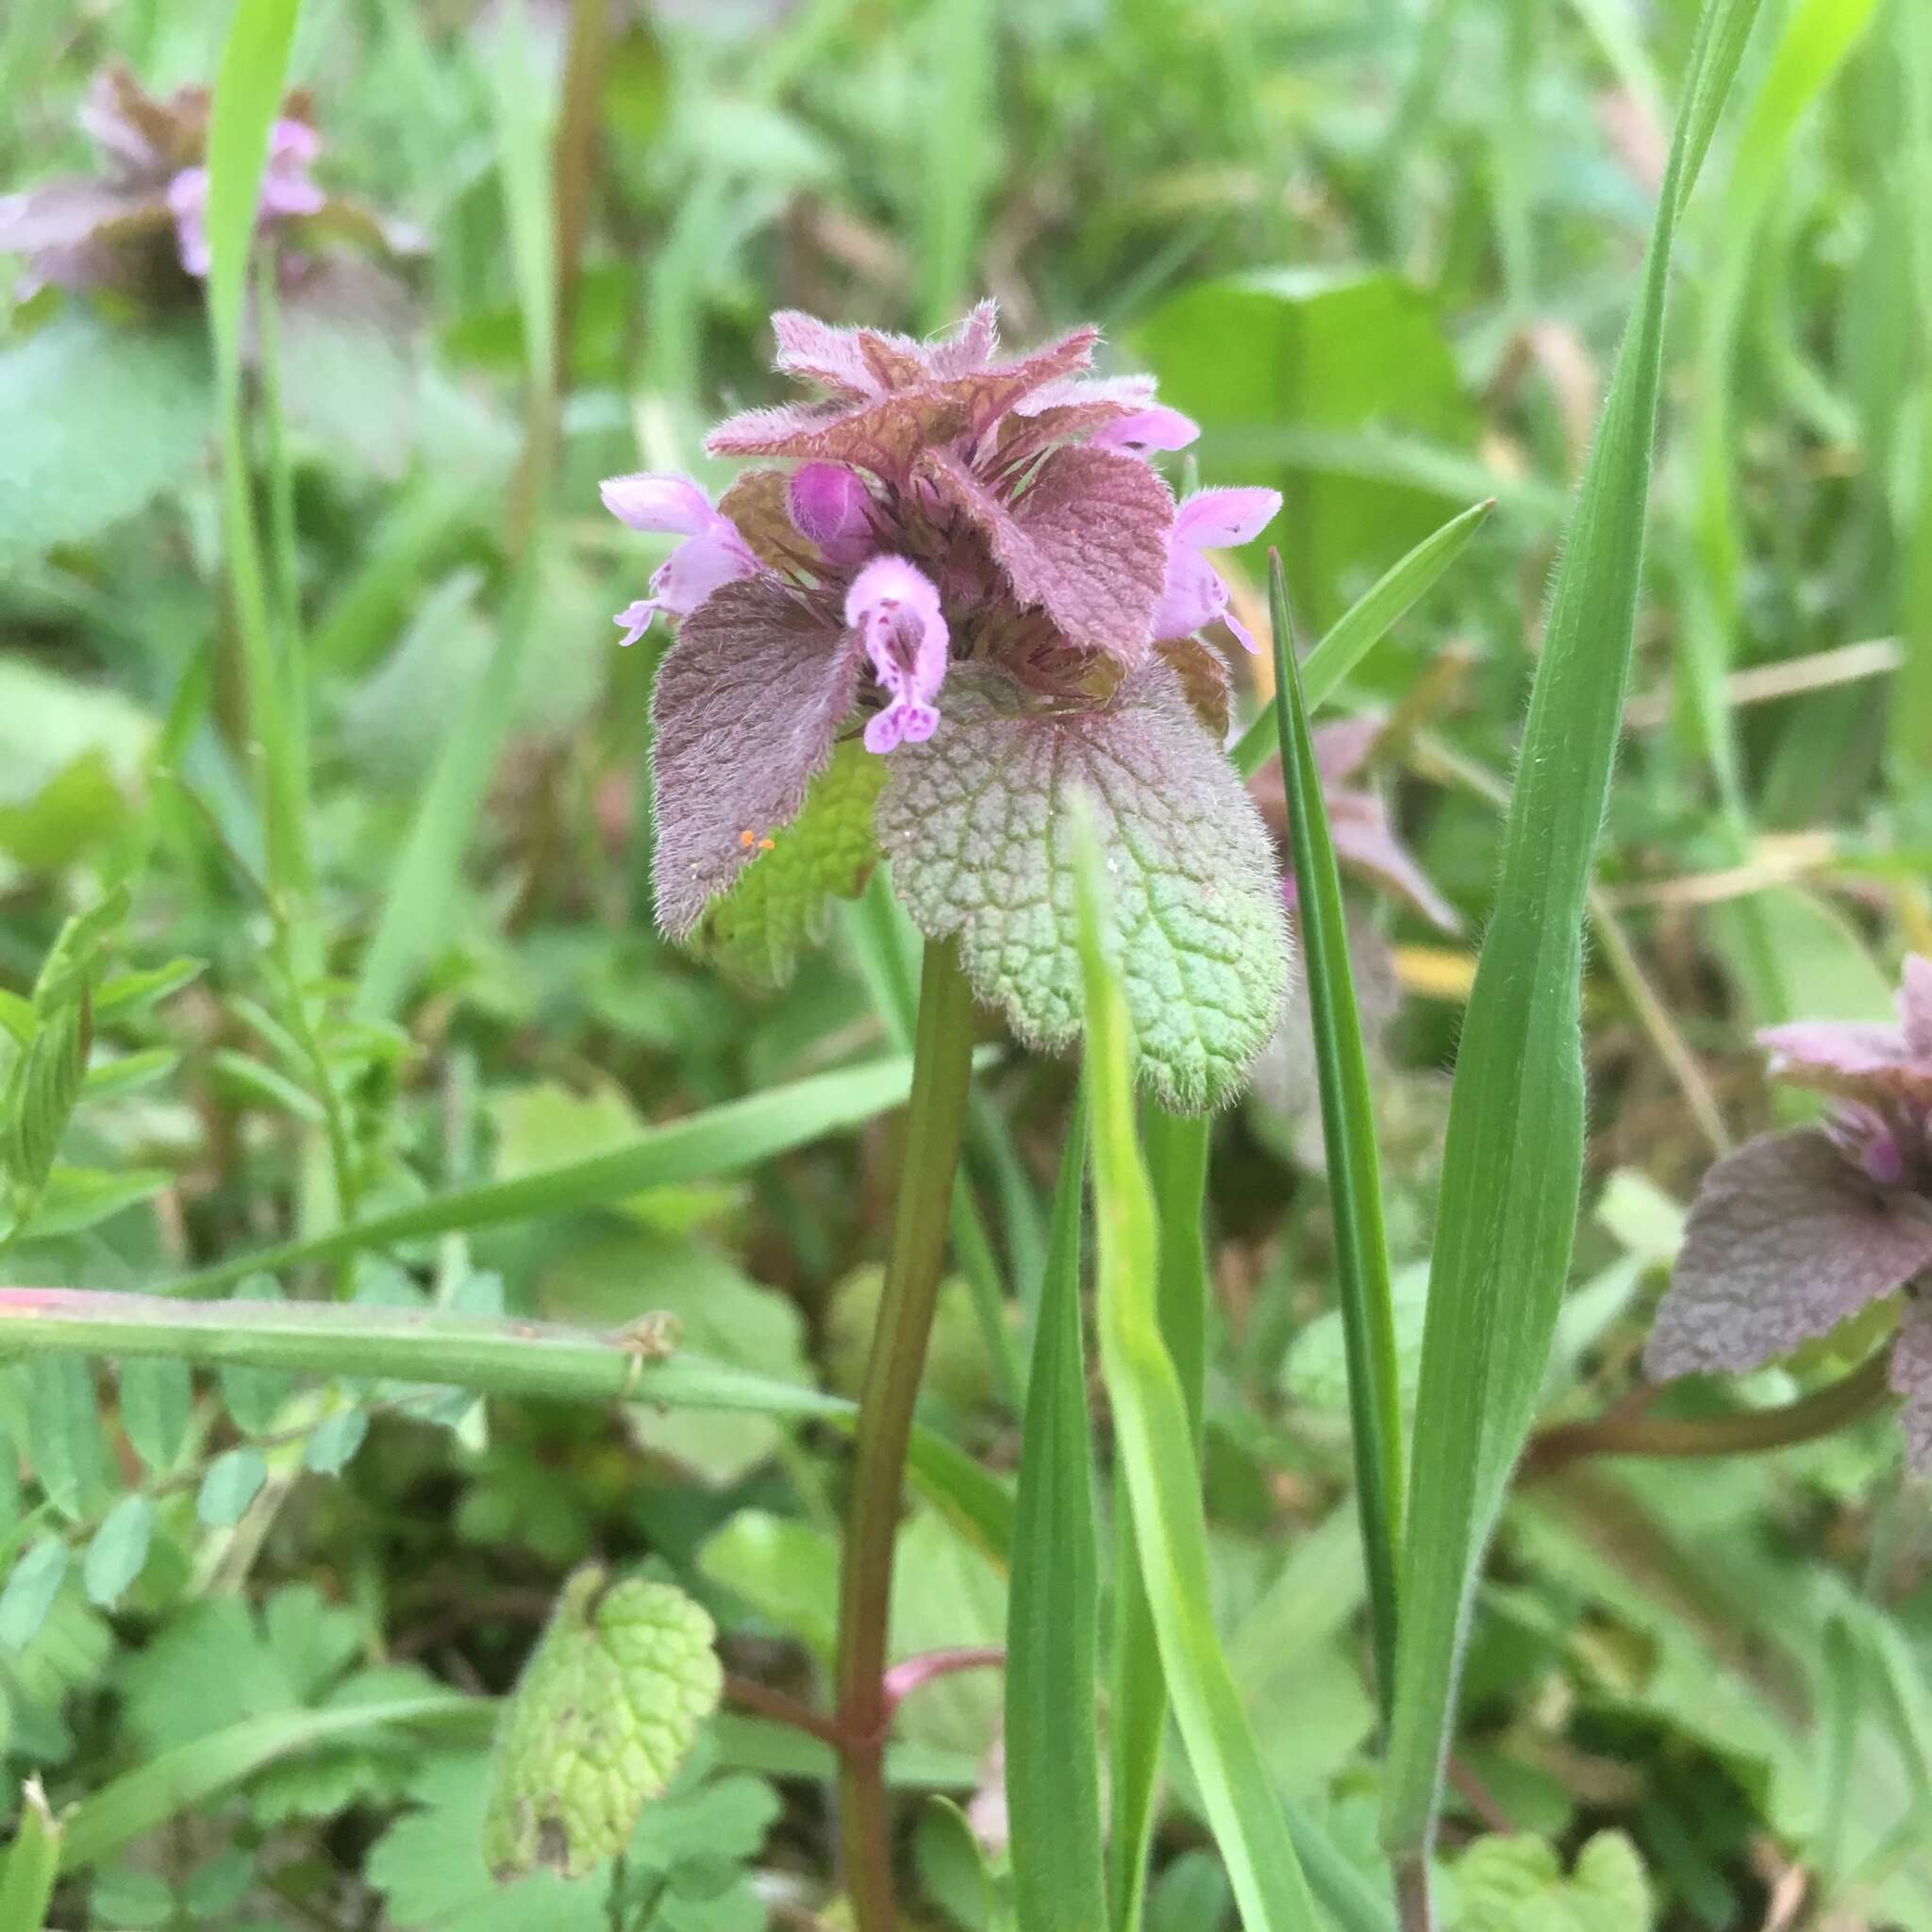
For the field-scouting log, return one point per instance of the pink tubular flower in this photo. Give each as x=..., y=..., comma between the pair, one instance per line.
x=1194, y=596
x=1798, y=1231
x=712, y=553
x=894, y=607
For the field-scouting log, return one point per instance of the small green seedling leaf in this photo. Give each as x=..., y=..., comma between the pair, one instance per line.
x=119, y=1550
x=1516, y=1884
x=778, y=907
x=31, y=1587
x=605, y=1710
x=66, y=1446
x=334, y=1444
x=232, y=1483
x=155, y=1397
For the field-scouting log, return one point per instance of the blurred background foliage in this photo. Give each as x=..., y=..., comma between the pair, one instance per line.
x=1381, y=252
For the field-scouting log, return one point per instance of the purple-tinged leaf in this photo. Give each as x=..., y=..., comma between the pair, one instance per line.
x=747, y=704
x=1366, y=841
x=1784, y=1241
x=814, y=351
x=1915, y=1006
x=1085, y=542
x=1205, y=681
x=977, y=824
x=894, y=361
x=1342, y=745
x=1911, y=1375
x=757, y=507
x=60, y=214
x=971, y=346
x=885, y=433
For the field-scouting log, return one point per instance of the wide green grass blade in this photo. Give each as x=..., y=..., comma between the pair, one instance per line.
x=1176, y=1153
x=1155, y=1438
x=1053, y=1615
x=1364, y=624
x=1348, y=1129
x=247, y=97
x=1513, y=1149
x=717, y=1141
x=31, y=1864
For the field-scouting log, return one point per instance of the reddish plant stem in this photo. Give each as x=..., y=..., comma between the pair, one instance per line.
x=762, y=1700
x=1744, y=1432
x=1412, y=1895
x=913, y=1672
x=942, y=1075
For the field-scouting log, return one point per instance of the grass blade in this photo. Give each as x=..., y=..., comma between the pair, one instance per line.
x=1177, y=1150
x=247, y=96
x=1364, y=624
x=1348, y=1129
x=1162, y=1475
x=1513, y=1150
x=1053, y=1635
x=717, y=1141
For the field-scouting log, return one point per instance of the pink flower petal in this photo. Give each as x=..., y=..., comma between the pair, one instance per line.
x=1224, y=519
x=697, y=567
x=664, y=503
x=1193, y=596
x=894, y=606
x=188, y=203
x=1159, y=428
x=635, y=620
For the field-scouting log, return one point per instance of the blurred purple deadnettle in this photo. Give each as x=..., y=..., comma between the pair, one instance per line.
x=1364, y=836
x=1796, y=1232
x=943, y=513
x=286, y=190
x=139, y=225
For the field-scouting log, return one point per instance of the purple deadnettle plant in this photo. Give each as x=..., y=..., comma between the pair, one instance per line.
x=1797, y=1232
x=949, y=595
x=139, y=226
